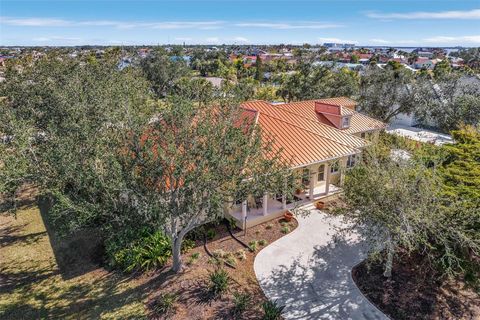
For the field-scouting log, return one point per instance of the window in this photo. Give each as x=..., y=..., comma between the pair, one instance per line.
x=321, y=173
x=335, y=167
x=351, y=160
x=345, y=122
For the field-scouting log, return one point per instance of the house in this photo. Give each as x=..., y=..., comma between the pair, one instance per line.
x=318, y=138
x=425, y=63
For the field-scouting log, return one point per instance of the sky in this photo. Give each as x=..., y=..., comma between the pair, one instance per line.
x=150, y=22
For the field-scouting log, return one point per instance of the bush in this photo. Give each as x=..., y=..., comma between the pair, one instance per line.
x=285, y=230
x=187, y=245
x=165, y=304
x=219, y=281
x=268, y=226
x=211, y=233
x=241, y=254
x=262, y=242
x=253, y=245
x=193, y=258
x=138, y=250
x=272, y=311
x=241, y=302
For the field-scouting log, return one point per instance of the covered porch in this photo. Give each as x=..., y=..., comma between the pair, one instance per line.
x=247, y=214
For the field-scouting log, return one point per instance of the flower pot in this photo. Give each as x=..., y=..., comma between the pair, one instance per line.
x=320, y=205
x=288, y=216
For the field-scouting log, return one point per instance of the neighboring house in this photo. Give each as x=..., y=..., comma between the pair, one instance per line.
x=425, y=63
x=318, y=138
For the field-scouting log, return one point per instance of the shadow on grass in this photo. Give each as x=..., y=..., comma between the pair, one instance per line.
x=76, y=254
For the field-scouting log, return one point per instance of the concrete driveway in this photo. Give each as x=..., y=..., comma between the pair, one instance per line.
x=310, y=273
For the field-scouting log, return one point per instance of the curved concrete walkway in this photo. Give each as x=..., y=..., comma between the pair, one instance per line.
x=310, y=273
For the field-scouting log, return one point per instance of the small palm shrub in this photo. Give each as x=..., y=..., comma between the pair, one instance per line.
x=271, y=310
x=193, y=258
x=240, y=254
x=253, y=245
x=165, y=304
x=241, y=302
x=262, y=242
x=152, y=253
x=138, y=250
x=211, y=233
x=285, y=230
x=187, y=245
x=219, y=282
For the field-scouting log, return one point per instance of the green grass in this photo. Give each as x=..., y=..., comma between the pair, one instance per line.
x=34, y=287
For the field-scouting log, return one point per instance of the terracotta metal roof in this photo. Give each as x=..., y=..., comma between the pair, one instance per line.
x=300, y=135
x=358, y=122
x=340, y=101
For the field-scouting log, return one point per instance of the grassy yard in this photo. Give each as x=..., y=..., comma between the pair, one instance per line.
x=34, y=286
x=43, y=277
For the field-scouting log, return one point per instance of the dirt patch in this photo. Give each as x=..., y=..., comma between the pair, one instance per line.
x=414, y=293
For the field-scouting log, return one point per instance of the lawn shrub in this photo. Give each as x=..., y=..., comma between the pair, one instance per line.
x=253, y=245
x=271, y=310
x=240, y=254
x=165, y=304
x=211, y=233
x=187, y=245
x=219, y=282
x=138, y=250
x=241, y=302
x=285, y=230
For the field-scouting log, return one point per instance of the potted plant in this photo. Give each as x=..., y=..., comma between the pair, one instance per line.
x=320, y=205
x=288, y=216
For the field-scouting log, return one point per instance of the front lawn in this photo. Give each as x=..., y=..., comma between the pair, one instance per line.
x=42, y=276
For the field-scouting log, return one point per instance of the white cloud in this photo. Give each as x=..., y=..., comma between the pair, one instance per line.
x=56, y=38
x=474, y=39
x=336, y=40
x=470, y=14
x=240, y=39
x=53, y=22
x=301, y=25
x=183, y=39
x=380, y=41
x=212, y=40
x=35, y=22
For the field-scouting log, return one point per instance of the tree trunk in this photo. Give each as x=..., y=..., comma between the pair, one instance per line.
x=389, y=264
x=177, y=254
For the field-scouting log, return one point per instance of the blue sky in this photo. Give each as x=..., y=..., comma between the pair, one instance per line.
x=381, y=22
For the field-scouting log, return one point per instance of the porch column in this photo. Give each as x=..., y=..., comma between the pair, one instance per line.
x=244, y=213
x=284, y=202
x=265, y=204
x=327, y=178
x=312, y=185
x=343, y=166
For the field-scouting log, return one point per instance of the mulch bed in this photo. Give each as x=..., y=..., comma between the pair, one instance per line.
x=191, y=286
x=413, y=292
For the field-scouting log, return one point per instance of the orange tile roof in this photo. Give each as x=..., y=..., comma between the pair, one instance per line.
x=297, y=131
